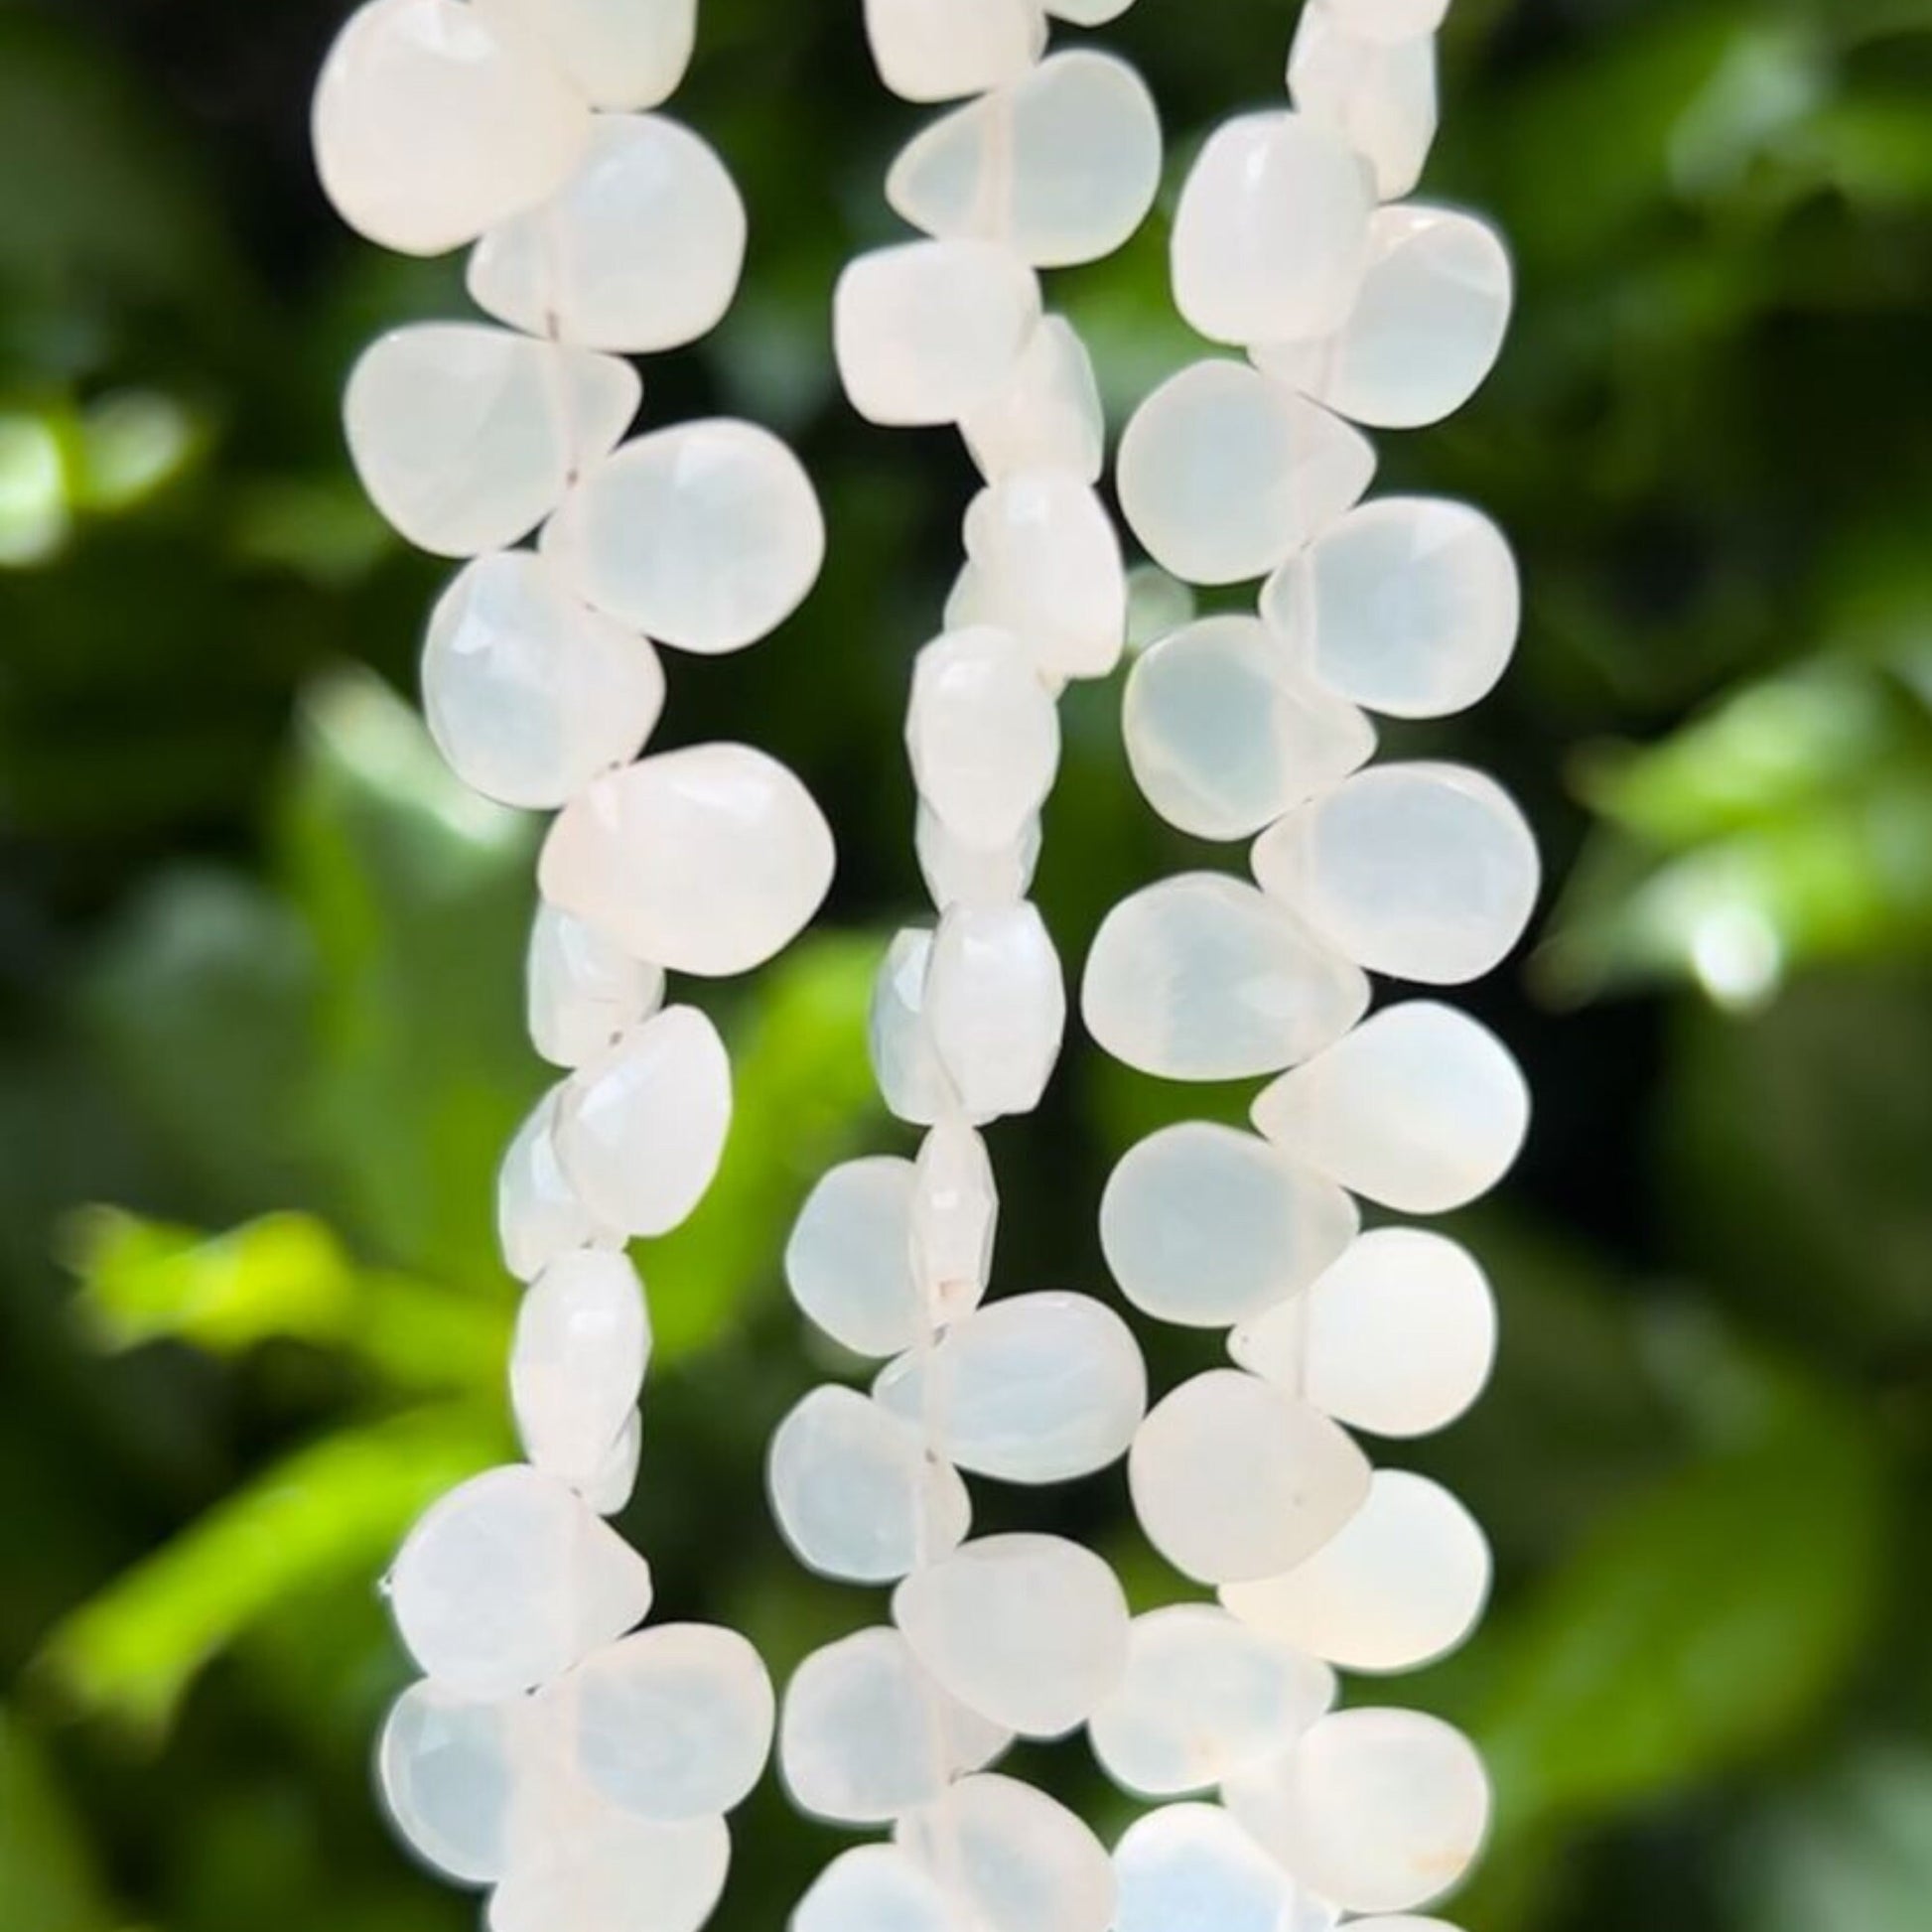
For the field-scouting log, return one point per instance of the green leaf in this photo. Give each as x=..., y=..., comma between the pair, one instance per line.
x=47, y=1876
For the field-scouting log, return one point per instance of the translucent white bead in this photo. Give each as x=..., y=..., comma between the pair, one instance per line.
x=467, y=435
x=607, y=1872
x=709, y=860
x=912, y=1079
x=983, y=735
x=867, y=1734
x=849, y=1260
x=1224, y=472
x=1378, y=96
x=1088, y=13
x=854, y=1492
x=508, y=1581
x=1047, y=565
x=967, y=603
x=641, y=1128
x=1021, y=1862
x=1400, y=1585
x=1388, y=20
x=957, y=873
x=1206, y=1226
x=576, y=1361
x=582, y=988
x=1408, y=605
x=706, y=536
x=539, y=1213
x=1234, y=1479
x=1040, y=1388
x=998, y=1006
x=1224, y=737
x=1029, y=1632
x=1203, y=1697
x=955, y=1216
x=640, y=251
x=610, y=1486
x=1059, y=166
x=1420, y=1108
x=1204, y=978
x=878, y=1889
x=937, y=49
x=1193, y=1869
x=926, y=332
x=448, y=1768
x=1271, y=235
x=1046, y=417
x=432, y=122
x=615, y=53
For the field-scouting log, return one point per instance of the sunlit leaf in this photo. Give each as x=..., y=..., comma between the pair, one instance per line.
x=47, y=1874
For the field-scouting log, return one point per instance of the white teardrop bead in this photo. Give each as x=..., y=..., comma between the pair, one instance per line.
x=639, y=251
x=709, y=860
x=1397, y=1337
x=615, y=53
x=1408, y=605
x=1058, y=167
x=1203, y=1697
x=1389, y=19
x=1040, y=1388
x=983, y=735
x=1400, y=1585
x=997, y=1003
x=937, y=49
x=1046, y=417
x=576, y=1361
x=926, y=332
x=955, y=1216
x=1193, y=1869
x=957, y=873
x=582, y=988
x=1224, y=737
x=467, y=435
x=849, y=1260
x=912, y=1080
x=448, y=1767
x=1047, y=565
x=607, y=1872
x=1029, y=1632
x=431, y=122
x=707, y=535
x=1224, y=472
x=878, y=1889
x=640, y=1128
x=610, y=1486
x=1420, y=1108
x=1206, y=1226
x=539, y=1213
x=1205, y=978
x=1378, y=96
x=1234, y=1479
x=854, y=1492
x=508, y=1581
x=867, y=1734
x=1271, y=235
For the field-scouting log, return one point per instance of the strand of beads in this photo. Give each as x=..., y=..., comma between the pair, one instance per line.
x=580, y=1766
x=1354, y=309
x=1056, y=162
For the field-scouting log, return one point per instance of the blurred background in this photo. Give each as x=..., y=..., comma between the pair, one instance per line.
x=260, y=961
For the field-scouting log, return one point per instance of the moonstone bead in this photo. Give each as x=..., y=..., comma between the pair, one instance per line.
x=1088, y=13
x=1408, y=605
x=1203, y=1697
x=1224, y=472
x=937, y=49
x=955, y=1215
x=1040, y=1388
x=576, y=1361
x=582, y=989
x=878, y=1889
x=641, y=1128
x=1059, y=167
x=1204, y=978
x=983, y=735
x=1424, y=872
x=1388, y=20
x=1047, y=565
x=1224, y=737
x=1029, y=1632
x=467, y=435
x=1046, y=418
x=612, y=1485
x=608, y=1872
x=615, y=53
x=867, y=1734
x=448, y=1768
x=508, y=1581
x=639, y=251
x=1206, y=1226
x=998, y=1006
x=912, y=1080
x=1019, y=1861
x=957, y=873
x=1379, y=95
x=848, y=1261
x=539, y=1213
x=1420, y=1108
x=1400, y=1585
x=1193, y=1869
x=1271, y=235
x=706, y=535
x=856, y=1493
x=431, y=121
x=1233, y=1479
x=925, y=332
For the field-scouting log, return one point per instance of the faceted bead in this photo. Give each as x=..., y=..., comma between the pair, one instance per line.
x=1021, y=1862
x=957, y=873
x=1271, y=235
x=640, y=1128
x=1379, y=95
x=1204, y=978
x=610, y=1486
x=955, y=1215
x=616, y=53
x=539, y=1213
x=1397, y=1337
x=1204, y=1696
x=1193, y=1869
x=1224, y=472
x=1058, y=167
x=448, y=1770
x=856, y=1493
x=878, y=1889
x=1408, y=605
x=937, y=49
x=1046, y=418
x=528, y=694
x=432, y=122
x=998, y=1006
x=967, y=603
x=849, y=1260
x=1048, y=565
x=1224, y=738
x=1420, y=1108
x=1029, y=1632
x=1234, y=1479
x=467, y=435
x=583, y=989
x=906, y=1061
x=1206, y=1226
x=608, y=1872
x=1040, y=1388
x=926, y=332
x=709, y=860
x=640, y=251
x=508, y=1581
x=983, y=735
x=1388, y=20
x=577, y=1362
x=1400, y=1585
x=706, y=536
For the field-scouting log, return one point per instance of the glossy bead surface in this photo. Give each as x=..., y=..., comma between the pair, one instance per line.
x=615, y=53
x=912, y=1079
x=1048, y=565
x=582, y=989
x=848, y=1261
x=604, y=1870
x=997, y=1003
x=954, y=1219
x=1046, y=418
x=937, y=49
x=1378, y=96
x=1019, y=1861
x=448, y=1770
x=539, y=1213
x=878, y=1889
x=1193, y=1869
x=958, y=874
x=576, y=1361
